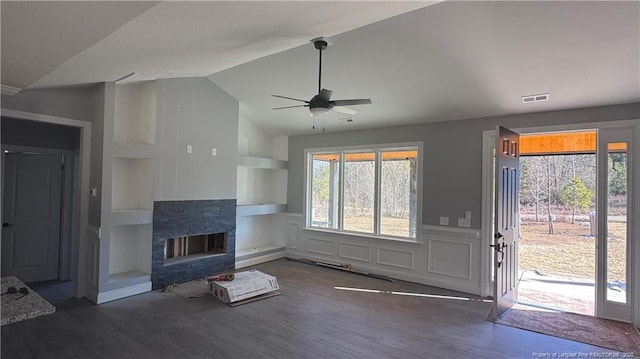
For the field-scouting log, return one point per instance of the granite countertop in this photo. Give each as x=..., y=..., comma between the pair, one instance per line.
x=18, y=307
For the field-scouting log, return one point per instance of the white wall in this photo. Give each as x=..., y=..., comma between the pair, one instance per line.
x=195, y=112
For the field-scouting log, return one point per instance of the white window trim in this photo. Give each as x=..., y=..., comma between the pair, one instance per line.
x=374, y=147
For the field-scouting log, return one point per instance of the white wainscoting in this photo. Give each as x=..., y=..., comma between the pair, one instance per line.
x=395, y=258
x=320, y=246
x=446, y=257
x=355, y=251
x=459, y=257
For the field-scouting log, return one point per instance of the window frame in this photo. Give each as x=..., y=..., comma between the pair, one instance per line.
x=377, y=225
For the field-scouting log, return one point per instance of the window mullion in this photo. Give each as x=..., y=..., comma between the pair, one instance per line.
x=377, y=195
x=341, y=192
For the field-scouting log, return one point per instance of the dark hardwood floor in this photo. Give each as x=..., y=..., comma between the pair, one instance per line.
x=311, y=319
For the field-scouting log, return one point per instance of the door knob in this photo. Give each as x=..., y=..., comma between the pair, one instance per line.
x=5, y=224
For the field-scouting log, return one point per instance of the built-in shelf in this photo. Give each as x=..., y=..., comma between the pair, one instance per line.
x=258, y=251
x=131, y=216
x=129, y=251
x=260, y=254
x=135, y=113
x=261, y=162
x=132, y=186
x=132, y=150
x=261, y=195
x=260, y=209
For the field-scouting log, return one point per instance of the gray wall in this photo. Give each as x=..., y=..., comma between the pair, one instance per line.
x=97, y=151
x=452, y=155
x=196, y=112
x=85, y=103
x=39, y=134
x=74, y=102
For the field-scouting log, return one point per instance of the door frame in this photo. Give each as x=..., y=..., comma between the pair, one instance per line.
x=82, y=203
x=488, y=141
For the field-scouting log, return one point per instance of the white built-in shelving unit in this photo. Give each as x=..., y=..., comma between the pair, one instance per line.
x=129, y=158
x=262, y=198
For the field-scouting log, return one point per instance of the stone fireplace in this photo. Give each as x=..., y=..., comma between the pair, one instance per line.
x=192, y=239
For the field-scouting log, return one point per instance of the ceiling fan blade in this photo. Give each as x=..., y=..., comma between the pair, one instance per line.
x=280, y=108
x=353, y=102
x=325, y=94
x=290, y=98
x=344, y=110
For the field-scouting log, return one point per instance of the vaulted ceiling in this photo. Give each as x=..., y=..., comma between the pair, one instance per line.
x=417, y=61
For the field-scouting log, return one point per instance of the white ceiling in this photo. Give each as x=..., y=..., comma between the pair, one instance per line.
x=417, y=61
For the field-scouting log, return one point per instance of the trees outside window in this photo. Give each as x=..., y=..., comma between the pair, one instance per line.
x=372, y=191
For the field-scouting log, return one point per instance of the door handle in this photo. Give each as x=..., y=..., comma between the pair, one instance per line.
x=5, y=224
x=499, y=248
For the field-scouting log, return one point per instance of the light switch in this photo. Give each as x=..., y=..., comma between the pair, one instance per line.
x=189, y=149
x=214, y=152
x=463, y=222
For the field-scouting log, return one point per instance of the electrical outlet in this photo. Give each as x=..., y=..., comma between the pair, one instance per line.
x=467, y=215
x=214, y=152
x=444, y=221
x=433, y=263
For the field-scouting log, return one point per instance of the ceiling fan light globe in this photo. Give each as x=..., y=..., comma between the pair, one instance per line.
x=316, y=111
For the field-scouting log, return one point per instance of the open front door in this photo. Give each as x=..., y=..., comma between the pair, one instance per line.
x=505, y=243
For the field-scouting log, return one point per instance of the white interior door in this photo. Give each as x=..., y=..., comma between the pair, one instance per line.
x=31, y=216
x=614, y=285
x=505, y=244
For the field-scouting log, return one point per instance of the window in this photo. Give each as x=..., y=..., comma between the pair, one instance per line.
x=372, y=191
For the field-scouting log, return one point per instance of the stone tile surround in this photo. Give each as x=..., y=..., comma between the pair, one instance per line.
x=184, y=218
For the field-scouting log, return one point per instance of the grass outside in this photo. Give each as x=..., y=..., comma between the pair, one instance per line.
x=390, y=226
x=570, y=251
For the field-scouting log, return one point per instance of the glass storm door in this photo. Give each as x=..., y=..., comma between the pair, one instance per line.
x=614, y=211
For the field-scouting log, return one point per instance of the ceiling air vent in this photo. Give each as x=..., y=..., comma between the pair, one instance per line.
x=142, y=76
x=535, y=98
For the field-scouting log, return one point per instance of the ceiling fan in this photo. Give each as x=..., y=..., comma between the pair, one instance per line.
x=322, y=103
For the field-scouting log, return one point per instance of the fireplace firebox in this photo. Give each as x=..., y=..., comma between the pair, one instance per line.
x=185, y=248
